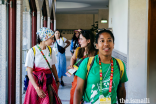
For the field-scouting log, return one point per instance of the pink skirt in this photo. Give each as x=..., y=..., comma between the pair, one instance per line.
x=31, y=96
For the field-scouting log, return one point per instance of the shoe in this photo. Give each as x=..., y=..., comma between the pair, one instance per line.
x=62, y=83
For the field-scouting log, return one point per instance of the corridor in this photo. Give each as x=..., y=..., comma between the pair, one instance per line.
x=133, y=23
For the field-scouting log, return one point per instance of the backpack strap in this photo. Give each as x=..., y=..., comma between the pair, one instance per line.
x=121, y=67
x=77, y=50
x=33, y=48
x=50, y=50
x=89, y=65
x=62, y=39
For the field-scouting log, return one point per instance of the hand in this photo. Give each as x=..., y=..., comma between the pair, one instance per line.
x=40, y=93
x=70, y=67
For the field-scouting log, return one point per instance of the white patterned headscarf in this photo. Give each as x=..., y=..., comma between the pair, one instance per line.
x=44, y=33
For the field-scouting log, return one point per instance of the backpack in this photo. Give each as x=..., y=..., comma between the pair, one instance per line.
x=89, y=65
x=26, y=79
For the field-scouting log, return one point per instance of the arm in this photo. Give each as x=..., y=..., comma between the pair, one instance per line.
x=68, y=43
x=72, y=60
x=39, y=91
x=121, y=93
x=55, y=75
x=79, y=90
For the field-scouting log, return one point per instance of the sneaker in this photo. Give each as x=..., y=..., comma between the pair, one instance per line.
x=62, y=83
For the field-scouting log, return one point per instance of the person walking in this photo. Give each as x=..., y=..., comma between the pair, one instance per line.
x=105, y=81
x=75, y=41
x=87, y=49
x=61, y=43
x=40, y=63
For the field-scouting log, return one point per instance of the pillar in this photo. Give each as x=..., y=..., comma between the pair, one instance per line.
x=34, y=27
x=12, y=53
x=45, y=21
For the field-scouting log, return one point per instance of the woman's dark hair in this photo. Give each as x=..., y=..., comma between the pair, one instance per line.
x=75, y=40
x=38, y=39
x=74, y=37
x=54, y=35
x=104, y=31
x=90, y=47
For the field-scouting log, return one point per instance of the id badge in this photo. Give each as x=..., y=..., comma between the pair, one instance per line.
x=70, y=72
x=104, y=100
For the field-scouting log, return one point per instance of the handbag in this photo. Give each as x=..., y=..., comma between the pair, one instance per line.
x=60, y=48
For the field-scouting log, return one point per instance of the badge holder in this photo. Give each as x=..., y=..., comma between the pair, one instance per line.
x=70, y=72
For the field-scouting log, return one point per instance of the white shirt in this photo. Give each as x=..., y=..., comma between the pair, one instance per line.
x=39, y=59
x=61, y=42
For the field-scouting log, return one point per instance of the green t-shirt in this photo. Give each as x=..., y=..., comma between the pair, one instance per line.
x=93, y=81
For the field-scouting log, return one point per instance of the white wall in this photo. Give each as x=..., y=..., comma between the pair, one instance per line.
x=118, y=21
x=137, y=49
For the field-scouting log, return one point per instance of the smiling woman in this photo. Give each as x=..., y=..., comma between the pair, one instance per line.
x=104, y=82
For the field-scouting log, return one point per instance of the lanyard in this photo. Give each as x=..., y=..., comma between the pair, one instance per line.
x=81, y=59
x=111, y=77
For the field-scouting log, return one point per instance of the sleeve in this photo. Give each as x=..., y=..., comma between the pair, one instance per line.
x=124, y=77
x=30, y=59
x=71, y=45
x=54, y=60
x=82, y=70
x=64, y=39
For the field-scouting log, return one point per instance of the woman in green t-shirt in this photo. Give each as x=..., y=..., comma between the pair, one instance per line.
x=104, y=76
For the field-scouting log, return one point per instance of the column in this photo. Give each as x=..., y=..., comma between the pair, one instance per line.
x=3, y=54
x=12, y=53
x=45, y=21
x=34, y=27
x=38, y=20
x=48, y=23
x=19, y=41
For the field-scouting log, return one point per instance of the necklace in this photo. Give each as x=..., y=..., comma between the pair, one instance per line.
x=111, y=76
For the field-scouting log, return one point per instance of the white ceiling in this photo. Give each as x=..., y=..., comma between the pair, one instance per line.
x=80, y=6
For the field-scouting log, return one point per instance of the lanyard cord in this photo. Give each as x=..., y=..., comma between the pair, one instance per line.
x=81, y=59
x=111, y=77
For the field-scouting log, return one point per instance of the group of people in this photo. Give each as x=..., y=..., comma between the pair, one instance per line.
x=97, y=79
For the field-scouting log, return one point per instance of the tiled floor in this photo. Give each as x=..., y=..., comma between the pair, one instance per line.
x=64, y=92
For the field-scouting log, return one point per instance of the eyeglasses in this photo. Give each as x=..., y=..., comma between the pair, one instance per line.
x=109, y=29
